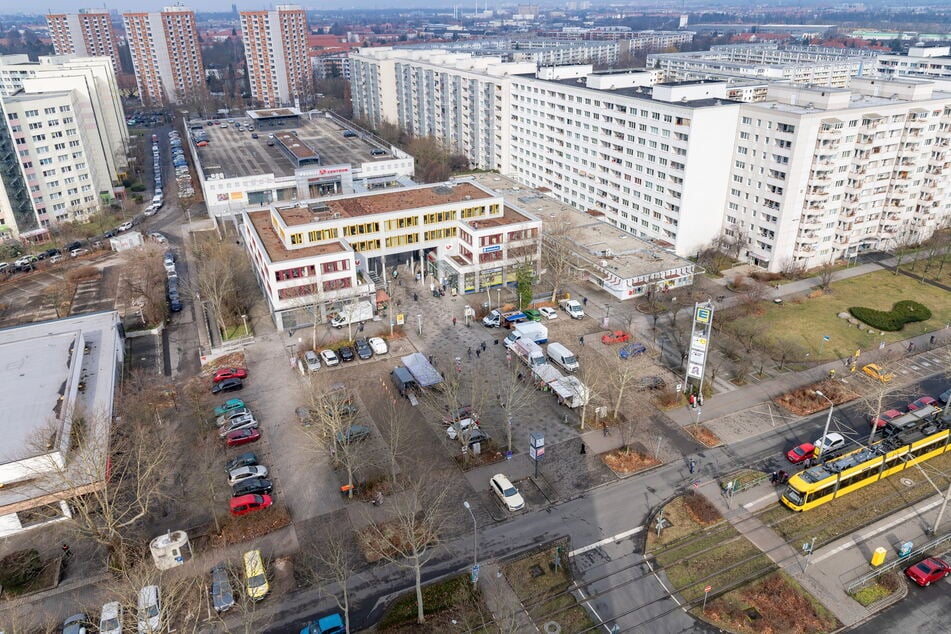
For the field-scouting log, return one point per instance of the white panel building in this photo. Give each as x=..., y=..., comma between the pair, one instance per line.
x=927, y=62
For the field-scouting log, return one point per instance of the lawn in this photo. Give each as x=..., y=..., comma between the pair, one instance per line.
x=859, y=508
x=543, y=590
x=806, y=321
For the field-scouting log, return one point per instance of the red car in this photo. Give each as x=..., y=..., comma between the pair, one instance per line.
x=921, y=403
x=243, y=436
x=887, y=417
x=803, y=452
x=927, y=571
x=249, y=504
x=618, y=336
x=229, y=373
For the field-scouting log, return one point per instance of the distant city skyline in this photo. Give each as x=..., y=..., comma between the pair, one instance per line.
x=220, y=6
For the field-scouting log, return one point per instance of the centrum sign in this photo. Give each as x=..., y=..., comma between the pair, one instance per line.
x=329, y=171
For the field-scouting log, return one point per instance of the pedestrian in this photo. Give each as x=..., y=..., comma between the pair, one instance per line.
x=478, y=353
x=430, y=358
x=605, y=430
x=932, y=340
x=453, y=321
x=692, y=465
x=773, y=477
x=469, y=353
x=881, y=345
x=483, y=346
x=583, y=450
x=911, y=346
x=581, y=340
x=584, y=300
x=66, y=552
x=415, y=297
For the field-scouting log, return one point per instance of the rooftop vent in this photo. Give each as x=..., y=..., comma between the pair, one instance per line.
x=318, y=207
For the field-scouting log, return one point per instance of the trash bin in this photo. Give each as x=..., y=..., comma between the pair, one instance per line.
x=878, y=557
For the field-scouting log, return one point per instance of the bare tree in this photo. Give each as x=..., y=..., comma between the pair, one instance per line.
x=182, y=597
x=409, y=538
x=144, y=279
x=332, y=561
x=902, y=246
x=593, y=374
x=825, y=275
x=556, y=256
x=623, y=374
x=224, y=280
x=516, y=395
x=329, y=425
x=459, y=390
x=783, y=349
x=391, y=422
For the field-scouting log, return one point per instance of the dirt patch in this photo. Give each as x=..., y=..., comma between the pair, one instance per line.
x=234, y=359
x=704, y=435
x=775, y=603
x=701, y=510
x=386, y=538
x=236, y=530
x=626, y=460
x=805, y=401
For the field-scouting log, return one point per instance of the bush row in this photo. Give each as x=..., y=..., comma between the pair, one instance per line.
x=903, y=312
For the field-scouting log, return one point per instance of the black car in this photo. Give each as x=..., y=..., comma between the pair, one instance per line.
x=246, y=459
x=477, y=435
x=346, y=353
x=175, y=305
x=42, y=255
x=222, y=596
x=228, y=385
x=364, y=351
x=72, y=246
x=252, y=486
x=353, y=433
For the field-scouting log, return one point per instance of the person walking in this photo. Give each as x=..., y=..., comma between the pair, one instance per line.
x=454, y=321
x=478, y=353
x=581, y=340
x=932, y=340
x=584, y=300
x=692, y=465
x=483, y=346
x=469, y=353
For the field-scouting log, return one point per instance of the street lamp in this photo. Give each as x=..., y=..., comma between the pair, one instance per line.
x=475, y=541
x=825, y=431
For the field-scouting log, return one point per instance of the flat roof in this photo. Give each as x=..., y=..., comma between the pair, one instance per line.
x=235, y=154
x=632, y=257
x=647, y=92
x=356, y=206
x=510, y=216
x=276, y=251
x=293, y=144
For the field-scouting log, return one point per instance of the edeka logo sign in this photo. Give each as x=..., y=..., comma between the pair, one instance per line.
x=703, y=315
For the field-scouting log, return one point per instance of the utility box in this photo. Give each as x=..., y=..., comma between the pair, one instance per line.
x=169, y=550
x=878, y=557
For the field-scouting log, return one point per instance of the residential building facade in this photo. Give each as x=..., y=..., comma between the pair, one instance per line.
x=88, y=33
x=166, y=57
x=275, y=47
x=927, y=62
x=312, y=258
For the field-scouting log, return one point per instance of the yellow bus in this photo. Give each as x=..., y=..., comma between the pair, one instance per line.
x=856, y=469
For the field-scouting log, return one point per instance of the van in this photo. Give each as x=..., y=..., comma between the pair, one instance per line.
x=150, y=610
x=403, y=381
x=157, y=200
x=255, y=578
x=562, y=356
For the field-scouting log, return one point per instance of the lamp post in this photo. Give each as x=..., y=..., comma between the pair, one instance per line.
x=475, y=543
x=825, y=431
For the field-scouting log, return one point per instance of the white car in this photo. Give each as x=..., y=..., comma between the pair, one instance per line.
x=330, y=358
x=548, y=313
x=378, y=344
x=150, y=610
x=829, y=442
x=312, y=361
x=460, y=425
x=110, y=618
x=158, y=237
x=246, y=473
x=231, y=415
x=507, y=492
x=234, y=424
x=150, y=211
x=75, y=253
x=55, y=258
x=125, y=226
x=26, y=260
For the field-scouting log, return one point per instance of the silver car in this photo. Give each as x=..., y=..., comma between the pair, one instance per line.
x=245, y=473
x=242, y=422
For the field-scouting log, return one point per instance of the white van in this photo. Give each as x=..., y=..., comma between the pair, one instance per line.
x=562, y=356
x=157, y=200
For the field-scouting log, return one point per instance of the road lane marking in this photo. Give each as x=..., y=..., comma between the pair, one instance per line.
x=881, y=529
x=606, y=541
x=768, y=496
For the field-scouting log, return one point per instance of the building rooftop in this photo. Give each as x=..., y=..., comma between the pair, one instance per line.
x=509, y=216
x=234, y=153
x=626, y=255
x=276, y=251
x=647, y=92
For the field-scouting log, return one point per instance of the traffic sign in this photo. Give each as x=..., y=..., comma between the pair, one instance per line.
x=708, y=589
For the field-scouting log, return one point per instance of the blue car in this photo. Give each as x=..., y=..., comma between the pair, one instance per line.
x=332, y=624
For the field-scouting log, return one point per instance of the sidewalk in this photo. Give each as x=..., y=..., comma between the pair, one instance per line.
x=501, y=599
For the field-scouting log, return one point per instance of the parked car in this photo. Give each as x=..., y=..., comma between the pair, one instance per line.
x=25, y=261
x=158, y=237
x=886, y=417
x=125, y=226
x=548, y=313
x=330, y=358
x=75, y=624
x=246, y=473
x=364, y=351
x=228, y=385
x=72, y=246
x=235, y=424
x=478, y=436
x=346, y=353
x=829, y=442
x=801, y=453
x=926, y=572
x=229, y=373
x=506, y=492
x=921, y=403
x=243, y=436
x=222, y=596
x=246, y=459
x=150, y=610
x=532, y=314
x=249, y=504
x=466, y=411
x=230, y=415
x=874, y=371
x=250, y=486
x=945, y=396
x=618, y=336
x=75, y=253
x=378, y=344
x=349, y=133
x=255, y=577
x=110, y=618
x=650, y=383
x=458, y=427
x=330, y=624
x=312, y=361
x=377, y=152
x=353, y=433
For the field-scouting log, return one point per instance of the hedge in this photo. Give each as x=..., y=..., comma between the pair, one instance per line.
x=903, y=312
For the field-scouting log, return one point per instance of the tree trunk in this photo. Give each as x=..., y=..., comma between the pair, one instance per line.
x=420, y=617
x=617, y=404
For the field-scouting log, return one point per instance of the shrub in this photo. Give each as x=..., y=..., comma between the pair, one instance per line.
x=138, y=187
x=903, y=312
x=20, y=568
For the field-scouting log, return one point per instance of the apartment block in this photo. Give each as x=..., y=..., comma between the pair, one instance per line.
x=928, y=62
x=88, y=33
x=313, y=257
x=822, y=174
x=275, y=47
x=65, y=137
x=166, y=57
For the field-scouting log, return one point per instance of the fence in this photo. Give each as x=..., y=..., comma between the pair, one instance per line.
x=901, y=561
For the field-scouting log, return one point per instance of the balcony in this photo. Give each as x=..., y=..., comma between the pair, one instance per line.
x=816, y=196
x=828, y=135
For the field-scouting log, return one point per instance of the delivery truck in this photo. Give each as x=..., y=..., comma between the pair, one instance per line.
x=352, y=314
x=530, y=330
x=562, y=356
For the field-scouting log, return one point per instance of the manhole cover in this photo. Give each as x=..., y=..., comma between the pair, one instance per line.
x=551, y=628
x=908, y=482
x=536, y=571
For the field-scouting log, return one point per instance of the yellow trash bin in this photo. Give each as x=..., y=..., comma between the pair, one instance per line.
x=878, y=557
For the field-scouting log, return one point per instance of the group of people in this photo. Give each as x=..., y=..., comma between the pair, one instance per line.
x=779, y=477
